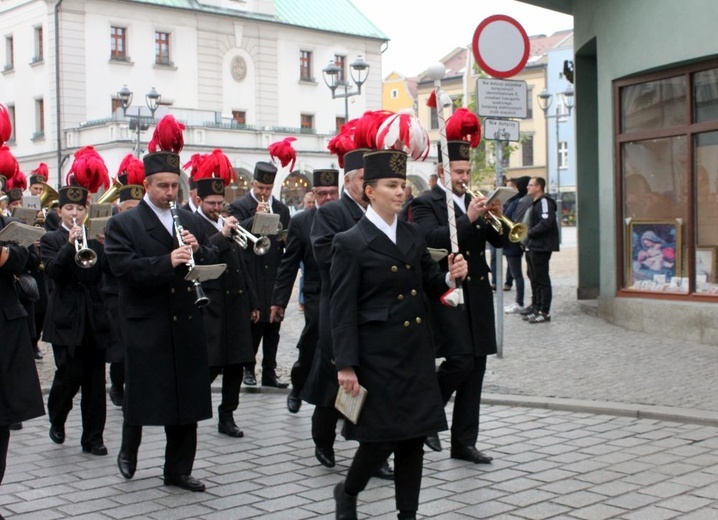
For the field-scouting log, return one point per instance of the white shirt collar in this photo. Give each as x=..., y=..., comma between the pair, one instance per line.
x=164, y=215
x=362, y=208
x=251, y=192
x=192, y=207
x=460, y=201
x=388, y=229
x=219, y=224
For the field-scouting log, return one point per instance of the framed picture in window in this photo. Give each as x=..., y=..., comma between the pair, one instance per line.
x=706, y=261
x=653, y=254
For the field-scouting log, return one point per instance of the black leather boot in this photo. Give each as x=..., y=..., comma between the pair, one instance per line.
x=346, y=504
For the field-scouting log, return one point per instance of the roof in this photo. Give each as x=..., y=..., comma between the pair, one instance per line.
x=338, y=16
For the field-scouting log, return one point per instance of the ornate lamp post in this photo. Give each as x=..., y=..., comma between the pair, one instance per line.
x=567, y=100
x=359, y=71
x=152, y=99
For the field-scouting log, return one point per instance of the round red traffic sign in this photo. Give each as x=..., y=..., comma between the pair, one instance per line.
x=501, y=46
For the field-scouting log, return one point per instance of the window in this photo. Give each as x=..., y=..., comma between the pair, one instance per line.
x=527, y=150
x=563, y=154
x=39, y=119
x=307, y=123
x=38, y=45
x=118, y=43
x=530, y=104
x=239, y=117
x=339, y=123
x=434, y=123
x=394, y=93
x=162, y=48
x=9, y=53
x=116, y=104
x=11, y=115
x=341, y=62
x=667, y=182
x=305, y=66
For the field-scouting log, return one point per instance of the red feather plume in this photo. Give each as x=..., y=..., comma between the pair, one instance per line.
x=194, y=163
x=343, y=142
x=404, y=132
x=5, y=125
x=167, y=136
x=42, y=170
x=367, y=128
x=216, y=165
x=464, y=125
x=284, y=152
x=89, y=170
x=8, y=163
x=135, y=170
x=17, y=181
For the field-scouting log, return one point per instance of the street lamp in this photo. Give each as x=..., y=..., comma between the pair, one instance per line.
x=359, y=71
x=152, y=99
x=567, y=100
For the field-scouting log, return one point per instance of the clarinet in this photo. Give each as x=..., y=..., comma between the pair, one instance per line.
x=201, y=298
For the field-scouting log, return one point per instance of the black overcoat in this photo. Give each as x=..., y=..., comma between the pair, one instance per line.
x=227, y=318
x=470, y=330
x=20, y=395
x=75, y=307
x=299, y=250
x=263, y=269
x=380, y=327
x=115, y=349
x=332, y=218
x=167, y=372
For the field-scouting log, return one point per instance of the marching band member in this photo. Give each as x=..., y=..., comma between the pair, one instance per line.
x=380, y=270
x=37, y=178
x=167, y=380
x=76, y=323
x=299, y=250
x=465, y=336
x=233, y=303
x=263, y=268
x=20, y=395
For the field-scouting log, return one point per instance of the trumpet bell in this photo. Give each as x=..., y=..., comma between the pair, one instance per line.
x=261, y=246
x=86, y=258
x=48, y=195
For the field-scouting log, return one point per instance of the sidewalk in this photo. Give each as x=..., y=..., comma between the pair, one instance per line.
x=576, y=414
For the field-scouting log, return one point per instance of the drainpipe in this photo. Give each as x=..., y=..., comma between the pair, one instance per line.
x=58, y=111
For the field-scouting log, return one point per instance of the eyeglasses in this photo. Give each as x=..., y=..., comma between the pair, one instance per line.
x=213, y=203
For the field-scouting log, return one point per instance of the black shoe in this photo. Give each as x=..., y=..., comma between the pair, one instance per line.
x=529, y=317
x=385, y=472
x=269, y=378
x=95, y=449
x=185, y=482
x=127, y=462
x=540, y=317
x=230, y=428
x=15, y=426
x=249, y=378
x=294, y=403
x=36, y=352
x=527, y=310
x=57, y=434
x=470, y=454
x=116, y=395
x=346, y=505
x=325, y=456
x=433, y=442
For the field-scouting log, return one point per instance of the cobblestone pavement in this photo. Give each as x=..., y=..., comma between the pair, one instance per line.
x=652, y=455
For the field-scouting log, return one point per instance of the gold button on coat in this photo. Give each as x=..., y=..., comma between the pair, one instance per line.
x=394, y=268
x=406, y=324
x=418, y=319
x=400, y=297
x=413, y=292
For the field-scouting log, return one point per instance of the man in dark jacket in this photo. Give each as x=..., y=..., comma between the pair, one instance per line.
x=263, y=269
x=514, y=210
x=233, y=305
x=543, y=239
x=167, y=379
x=299, y=250
x=464, y=336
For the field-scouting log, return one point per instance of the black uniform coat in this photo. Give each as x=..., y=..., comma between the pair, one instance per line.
x=263, y=269
x=299, y=250
x=332, y=218
x=115, y=351
x=227, y=318
x=75, y=307
x=167, y=373
x=380, y=327
x=470, y=330
x=20, y=395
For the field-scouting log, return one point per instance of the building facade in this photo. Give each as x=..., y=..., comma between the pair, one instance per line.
x=240, y=74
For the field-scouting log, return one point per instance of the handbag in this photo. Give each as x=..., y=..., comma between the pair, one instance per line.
x=27, y=288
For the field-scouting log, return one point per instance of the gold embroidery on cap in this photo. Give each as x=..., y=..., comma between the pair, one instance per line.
x=327, y=178
x=217, y=187
x=464, y=151
x=74, y=194
x=137, y=193
x=173, y=160
x=397, y=164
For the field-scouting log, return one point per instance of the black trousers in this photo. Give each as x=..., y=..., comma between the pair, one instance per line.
x=324, y=426
x=307, y=343
x=84, y=370
x=4, y=444
x=268, y=335
x=180, y=449
x=538, y=263
x=463, y=375
x=231, y=384
x=517, y=276
x=117, y=375
x=408, y=465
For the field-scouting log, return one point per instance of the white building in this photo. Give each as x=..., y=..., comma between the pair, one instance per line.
x=240, y=74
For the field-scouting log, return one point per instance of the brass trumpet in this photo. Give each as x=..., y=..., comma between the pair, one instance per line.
x=84, y=256
x=517, y=230
x=112, y=194
x=241, y=236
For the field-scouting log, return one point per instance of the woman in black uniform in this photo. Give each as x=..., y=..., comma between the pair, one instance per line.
x=380, y=271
